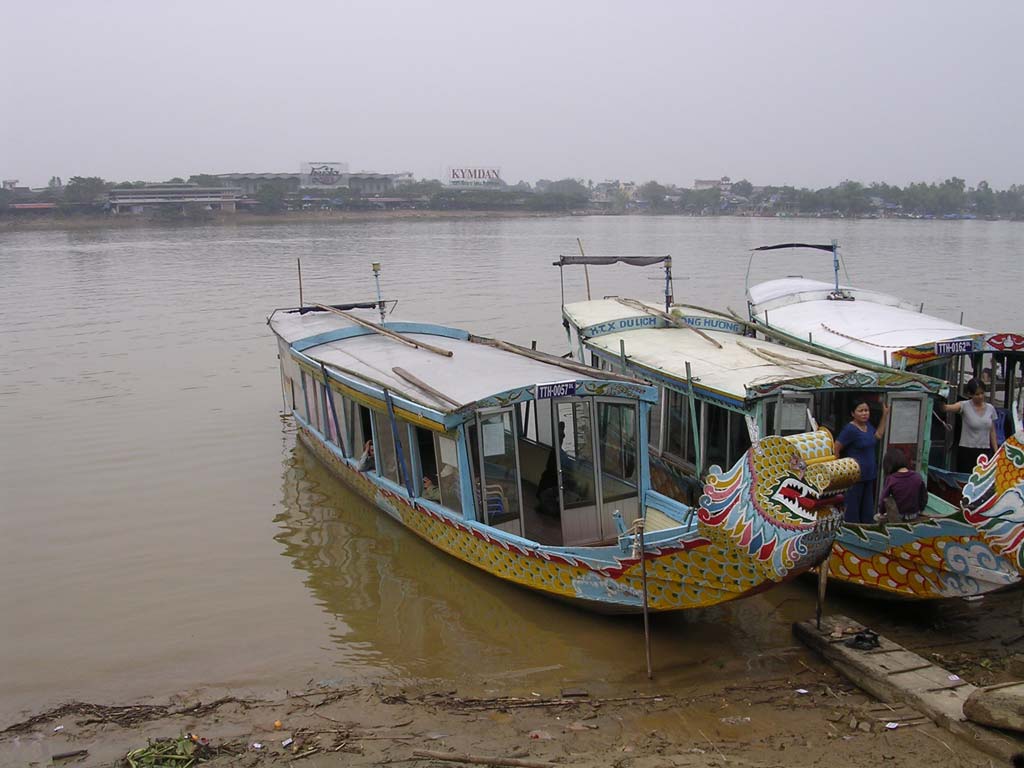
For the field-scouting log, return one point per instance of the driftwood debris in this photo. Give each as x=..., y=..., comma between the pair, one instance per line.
x=513, y=702
x=454, y=757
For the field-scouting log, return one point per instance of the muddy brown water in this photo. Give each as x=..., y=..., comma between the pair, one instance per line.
x=162, y=531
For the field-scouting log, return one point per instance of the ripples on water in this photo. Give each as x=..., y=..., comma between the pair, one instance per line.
x=163, y=532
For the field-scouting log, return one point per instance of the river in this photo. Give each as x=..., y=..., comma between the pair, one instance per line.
x=162, y=532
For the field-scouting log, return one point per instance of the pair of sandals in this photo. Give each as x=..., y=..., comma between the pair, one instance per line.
x=865, y=640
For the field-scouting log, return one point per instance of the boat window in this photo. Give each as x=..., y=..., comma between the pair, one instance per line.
x=403, y=438
x=447, y=456
x=617, y=431
x=905, y=426
x=617, y=425
x=739, y=439
x=787, y=415
x=384, y=447
x=356, y=426
x=424, y=463
x=305, y=395
x=332, y=419
x=827, y=413
x=499, y=475
x=678, y=439
x=654, y=423
x=576, y=454
x=717, y=446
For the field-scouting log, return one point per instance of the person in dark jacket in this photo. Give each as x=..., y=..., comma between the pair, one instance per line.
x=904, y=485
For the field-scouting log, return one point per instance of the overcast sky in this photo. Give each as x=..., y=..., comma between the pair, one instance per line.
x=802, y=93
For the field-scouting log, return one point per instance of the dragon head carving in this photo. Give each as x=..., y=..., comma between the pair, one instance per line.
x=781, y=503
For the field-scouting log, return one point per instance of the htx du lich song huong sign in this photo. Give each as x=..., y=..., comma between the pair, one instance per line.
x=473, y=177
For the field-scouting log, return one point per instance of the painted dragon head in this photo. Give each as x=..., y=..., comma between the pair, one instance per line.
x=781, y=503
x=993, y=499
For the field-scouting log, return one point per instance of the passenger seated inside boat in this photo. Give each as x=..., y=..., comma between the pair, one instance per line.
x=366, y=461
x=430, y=490
x=904, y=495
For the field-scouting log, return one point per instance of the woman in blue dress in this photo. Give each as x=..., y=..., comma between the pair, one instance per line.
x=859, y=440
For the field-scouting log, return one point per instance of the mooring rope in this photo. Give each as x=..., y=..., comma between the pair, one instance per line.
x=862, y=341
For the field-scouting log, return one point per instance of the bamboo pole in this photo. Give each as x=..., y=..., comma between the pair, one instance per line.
x=424, y=386
x=586, y=272
x=299, y=263
x=454, y=757
x=822, y=584
x=643, y=575
x=385, y=331
x=634, y=304
x=591, y=373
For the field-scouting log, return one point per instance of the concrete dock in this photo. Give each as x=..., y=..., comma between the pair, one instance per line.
x=895, y=675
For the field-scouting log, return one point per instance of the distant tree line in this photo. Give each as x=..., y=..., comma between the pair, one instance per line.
x=951, y=197
x=849, y=198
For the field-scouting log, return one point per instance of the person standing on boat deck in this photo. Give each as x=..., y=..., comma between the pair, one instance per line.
x=977, y=430
x=367, y=463
x=860, y=441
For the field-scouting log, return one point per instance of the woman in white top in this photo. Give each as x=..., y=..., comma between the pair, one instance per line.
x=978, y=427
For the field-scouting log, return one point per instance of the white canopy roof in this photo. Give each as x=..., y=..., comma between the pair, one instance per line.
x=740, y=363
x=475, y=370
x=871, y=327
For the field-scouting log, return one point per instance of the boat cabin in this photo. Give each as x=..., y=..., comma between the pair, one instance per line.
x=528, y=444
x=865, y=326
x=720, y=387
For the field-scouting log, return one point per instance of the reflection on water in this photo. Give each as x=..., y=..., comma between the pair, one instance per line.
x=405, y=608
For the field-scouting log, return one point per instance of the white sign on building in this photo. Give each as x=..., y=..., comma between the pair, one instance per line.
x=473, y=177
x=324, y=174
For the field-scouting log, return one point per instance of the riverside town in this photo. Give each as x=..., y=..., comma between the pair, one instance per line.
x=331, y=186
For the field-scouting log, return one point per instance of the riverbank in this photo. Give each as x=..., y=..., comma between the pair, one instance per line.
x=249, y=219
x=782, y=707
x=807, y=716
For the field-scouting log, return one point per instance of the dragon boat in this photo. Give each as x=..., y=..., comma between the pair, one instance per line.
x=724, y=390
x=534, y=469
x=867, y=326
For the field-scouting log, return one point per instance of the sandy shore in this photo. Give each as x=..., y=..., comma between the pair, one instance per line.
x=808, y=716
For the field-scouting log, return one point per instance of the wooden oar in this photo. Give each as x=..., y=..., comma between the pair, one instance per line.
x=384, y=331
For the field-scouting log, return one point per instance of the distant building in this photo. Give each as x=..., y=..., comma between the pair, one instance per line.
x=321, y=176
x=251, y=183
x=723, y=184
x=173, y=196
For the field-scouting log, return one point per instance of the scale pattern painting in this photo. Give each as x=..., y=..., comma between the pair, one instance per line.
x=753, y=532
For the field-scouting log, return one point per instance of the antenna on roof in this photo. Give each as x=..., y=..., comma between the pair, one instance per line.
x=380, y=301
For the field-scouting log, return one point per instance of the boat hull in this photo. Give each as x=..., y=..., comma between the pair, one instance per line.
x=927, y=559
x=682, y=574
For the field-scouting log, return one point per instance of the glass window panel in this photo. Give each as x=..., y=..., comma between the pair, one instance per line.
x=717, y=436
x=576, y=455
x=678, y=437
x=617, y=431
x=654, y=425
x=387, y=465
x=403, y=437
x=739, y=438
x=500, y=475
x=447, y=452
